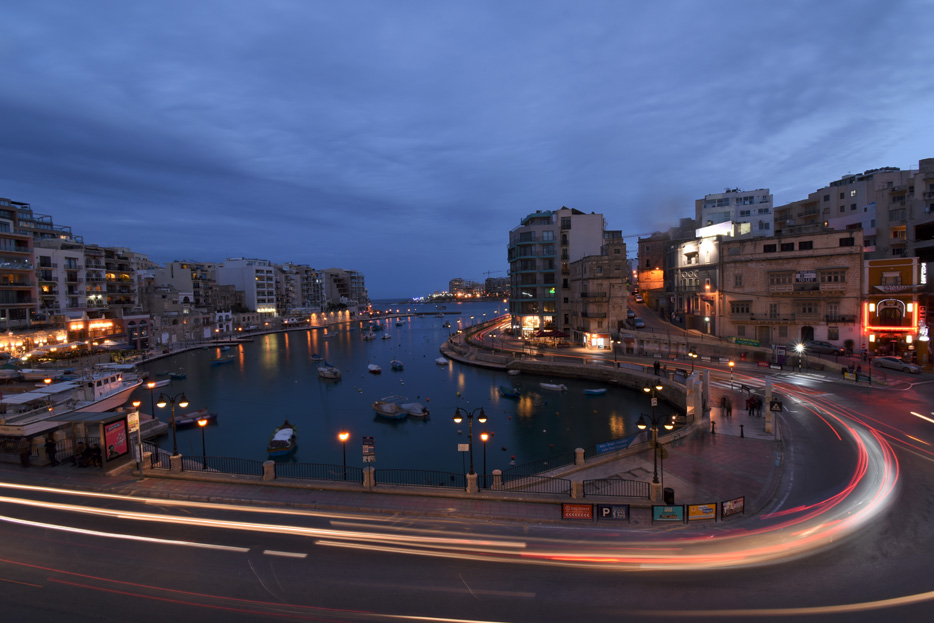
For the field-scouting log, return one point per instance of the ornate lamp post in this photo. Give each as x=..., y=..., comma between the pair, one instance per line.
x=459, y=414
x=484, y=436
x=182, y=402
x=344, y=436
x=799, y=348
x=642, y=425
x=202, y=424
x=151, y=386
x=693, y=356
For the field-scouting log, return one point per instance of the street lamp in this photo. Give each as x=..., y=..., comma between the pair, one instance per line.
x=151, y=385
x=458, y=418
x=484, y=436
x=707, y=320
x=139, y=438
x=344, y=436
x=693, y=356
x=642, y=425
x=731, y=364
x=182, y=402
x=799, y=348
x=202, y=423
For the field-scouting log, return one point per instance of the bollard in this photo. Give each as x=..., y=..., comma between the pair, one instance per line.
x=713, y=427
x=741, y=431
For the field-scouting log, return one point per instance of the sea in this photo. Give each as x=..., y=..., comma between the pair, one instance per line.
x=273, y=378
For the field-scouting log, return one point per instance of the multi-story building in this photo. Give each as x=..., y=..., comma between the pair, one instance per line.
x=122, y=294
x=891, y=313
x=496, y=286
x=599, y=294
x=749, y=211
x=302, y=290
x=540, y=253
x=782, y=290
x=345, y=288
x=692, y=271
x=18, y=300
x=255, y=278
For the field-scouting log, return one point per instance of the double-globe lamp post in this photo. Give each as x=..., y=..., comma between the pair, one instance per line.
x=344, y=436
x=642, y=425
x=181, y=401
x=459, y=415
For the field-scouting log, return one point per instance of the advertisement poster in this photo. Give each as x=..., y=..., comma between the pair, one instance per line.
x=115, y=440
x=732, y=507
x=697, y=512
x=668, y=513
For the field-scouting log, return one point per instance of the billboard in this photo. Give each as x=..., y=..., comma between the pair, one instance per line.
x=115, y=440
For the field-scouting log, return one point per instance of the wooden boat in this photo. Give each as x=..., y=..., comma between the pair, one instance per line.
x=558, y=387
x=224, y=359
x=328, y=371
x=509, y=392
x=187, y=420
x=374, y=369
x=283, y=440
x=415, y=409
x=390, y=408
x=396, y=364
x=595, y=392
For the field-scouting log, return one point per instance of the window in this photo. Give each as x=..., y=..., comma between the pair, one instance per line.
x=826, y=197
x=833, y=276
x=841, y=195
x=847, y=242
x=763, y=210
x=833, y=310
x=738, y=280
x=806, y=308
x=833, y=333
x=745, y=212
x=842, y=209
x=741, y=331
x=805, y=245
x=740, y=307
x=780, y=279
x=788, y=246
x=548, y=236
x=773, y=310
x=565, y=224
x=768, y=248
x=783, y=332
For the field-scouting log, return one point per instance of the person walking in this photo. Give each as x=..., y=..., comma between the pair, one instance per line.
x=25, y=449
x=50, y=450
x=656, y=365
x=729, y=408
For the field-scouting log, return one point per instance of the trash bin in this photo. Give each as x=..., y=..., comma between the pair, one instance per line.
x=668, y=494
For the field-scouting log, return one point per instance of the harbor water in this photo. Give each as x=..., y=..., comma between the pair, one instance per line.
x=273, y=378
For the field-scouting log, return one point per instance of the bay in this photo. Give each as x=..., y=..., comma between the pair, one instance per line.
x=274, y=378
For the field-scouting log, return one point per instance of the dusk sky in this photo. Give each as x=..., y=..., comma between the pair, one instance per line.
x=405, y=139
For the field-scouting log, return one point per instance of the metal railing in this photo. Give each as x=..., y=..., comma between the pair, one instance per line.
x=319, y=471
x=223, y=465
x=419, y=478
x=536, y=484
x=617, y=487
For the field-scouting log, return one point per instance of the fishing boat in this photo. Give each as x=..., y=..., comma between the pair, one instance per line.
x=441, y=361
x=283, y=440
x=327, y=371
x=390, y=407
x=396, y=364
x=187, y=420
x=595, y=392
x=558, y=387
x=415, y=409
x=374, y=369
x=509, y=392
x=222, y=360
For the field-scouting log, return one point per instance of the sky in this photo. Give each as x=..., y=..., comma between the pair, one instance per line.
x=405, y=139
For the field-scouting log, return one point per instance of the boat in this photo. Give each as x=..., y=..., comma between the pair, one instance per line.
x=441, y=361
x=513, y=372
x=187, y=420
x=224, y=359
x=559, y=387
x=390, y=408
x=178, y=375
x=386, y=336
x=374, y=369
x=595, y=392
x=327, y=371
x=159, y=383
x=40, y=374
x=283, y=440
x=415, y=409
x=400, y=323
x=369, y=335
x=396, y=364
x=316, y=357
x=162, y=373
x=509, y=392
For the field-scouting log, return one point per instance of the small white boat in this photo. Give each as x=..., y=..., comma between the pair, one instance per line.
x=513, y=372
x=396, y=364
x=595, y=392
x=386, y=336
x=415, y=409
x=40, y=374
x=441, y=361
x=558, y=387
x=283, y=440
x=390, y=408
x=159, y=383
x=328, y=371
x=374, y=369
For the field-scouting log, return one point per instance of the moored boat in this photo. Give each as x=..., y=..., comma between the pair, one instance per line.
x=374, y=369
x=559, y=387
x=283, y=440
x=441, y=361
x=390, y=408
x=509, y=392
x=396, y=364
x=327, y=371
x=187, y=420
x=223, y=359
x=595, y=392
x=178, y=375
x=415, y=409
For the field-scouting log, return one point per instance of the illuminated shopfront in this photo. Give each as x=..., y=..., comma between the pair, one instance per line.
x=893, y=322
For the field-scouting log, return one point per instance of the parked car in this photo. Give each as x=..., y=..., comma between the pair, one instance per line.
x=818, y=347
x=629, y=314
x=638, y=323
x=896, y=363
x=638, y=298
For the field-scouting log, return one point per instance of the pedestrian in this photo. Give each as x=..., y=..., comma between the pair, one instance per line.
x=859, y=370
x=723, y=402
x=25, y=449
x=729, y=408
x=50, y=450
x=656, y=365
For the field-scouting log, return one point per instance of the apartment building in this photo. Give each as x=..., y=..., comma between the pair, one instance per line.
x=18, y=299
x=797, y=287
x=301, y=291
x=891, y=314
x=540, y=252
x=599, y=294
x=345, y=288
x=692, y=278
x=256, y=278
x=750, y=211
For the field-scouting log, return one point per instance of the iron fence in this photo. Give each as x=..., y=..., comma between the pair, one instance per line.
x=223, y=465
x=617, y=487
x=319, y=471
x=541, y=465
x=420, y=478
x=536, y=484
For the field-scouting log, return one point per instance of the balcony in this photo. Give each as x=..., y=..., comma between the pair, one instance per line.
x=840, y=318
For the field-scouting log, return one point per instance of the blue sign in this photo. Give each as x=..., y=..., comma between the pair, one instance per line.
x=616, y=444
